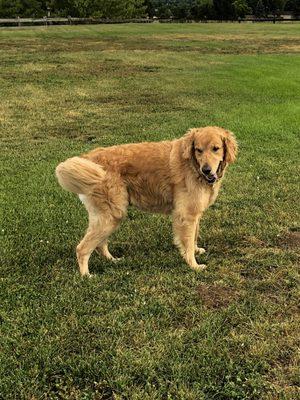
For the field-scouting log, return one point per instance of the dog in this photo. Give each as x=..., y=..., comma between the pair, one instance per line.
x=181, y=177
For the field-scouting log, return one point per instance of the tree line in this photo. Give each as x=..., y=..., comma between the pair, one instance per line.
x=126, y=9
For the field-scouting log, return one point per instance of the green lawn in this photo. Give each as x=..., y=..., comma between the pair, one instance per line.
x=149, y=327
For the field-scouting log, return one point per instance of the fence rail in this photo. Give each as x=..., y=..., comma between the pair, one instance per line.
x=78, y=21
x=66, y=21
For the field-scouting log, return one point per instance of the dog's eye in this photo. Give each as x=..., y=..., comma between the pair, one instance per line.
x=199, y=150
x=215, y=149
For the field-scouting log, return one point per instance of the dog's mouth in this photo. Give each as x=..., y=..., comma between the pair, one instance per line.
x=210, y=178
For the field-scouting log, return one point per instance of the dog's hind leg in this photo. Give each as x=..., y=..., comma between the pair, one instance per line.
x=104, y=251
x=100, y=228
x=106, y=207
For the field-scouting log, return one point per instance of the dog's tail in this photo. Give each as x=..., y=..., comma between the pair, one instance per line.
x=79, y=175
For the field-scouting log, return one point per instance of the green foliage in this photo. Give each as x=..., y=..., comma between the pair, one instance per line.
x=24, y=8
x=241, y=8
x=203, y=9
x=100, y=8
x=293, y=5
x=224, y=9
x=260, y=10
x=119, y=9
x=83, y=8
x=179, y=9
x=10, y=8
x=278, y=6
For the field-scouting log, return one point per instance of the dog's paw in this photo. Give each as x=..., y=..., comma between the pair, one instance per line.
x=199, y=250
x=87, y=275
x=117, y=259
x=198, y=267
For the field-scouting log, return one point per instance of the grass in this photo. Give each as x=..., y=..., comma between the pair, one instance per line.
x=149, y=327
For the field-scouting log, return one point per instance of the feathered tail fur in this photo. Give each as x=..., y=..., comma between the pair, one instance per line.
x=79, y=175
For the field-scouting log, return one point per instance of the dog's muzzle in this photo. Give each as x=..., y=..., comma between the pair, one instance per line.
x=208, y=174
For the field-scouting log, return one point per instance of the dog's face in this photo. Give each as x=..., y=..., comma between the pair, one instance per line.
x=210, y=149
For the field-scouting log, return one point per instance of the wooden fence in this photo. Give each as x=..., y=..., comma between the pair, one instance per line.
x=78, y=21
x=66, y=21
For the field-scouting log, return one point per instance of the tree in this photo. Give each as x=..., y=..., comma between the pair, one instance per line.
x=118, y=8
x=224, y=9
x=181, y=9
x=99, y=8
x=22, y=8
x=260, y=10
x=33, y=8
x=241, y=8
x=203, y=9
x=10, y=8
x=294, y=6
x=275, y=6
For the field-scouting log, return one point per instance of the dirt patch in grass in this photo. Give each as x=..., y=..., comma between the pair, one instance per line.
x=213, y=36
x=290, y=240
x=135, y=99
x=253, y=241
x=81, y=69
x=291, y=48
x=214, y=44
x=216, y=296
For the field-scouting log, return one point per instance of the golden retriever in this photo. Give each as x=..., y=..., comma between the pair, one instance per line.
x=181, y=177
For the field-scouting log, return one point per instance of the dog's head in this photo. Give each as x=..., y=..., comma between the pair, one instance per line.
x=209, y=149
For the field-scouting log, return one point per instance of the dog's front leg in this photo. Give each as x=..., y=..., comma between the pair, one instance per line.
x=184, y=227
x=198, y=250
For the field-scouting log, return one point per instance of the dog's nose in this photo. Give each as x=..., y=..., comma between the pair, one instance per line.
x=206, y=169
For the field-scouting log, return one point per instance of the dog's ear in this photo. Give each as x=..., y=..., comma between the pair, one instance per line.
x=230, y=147
x=187, y=144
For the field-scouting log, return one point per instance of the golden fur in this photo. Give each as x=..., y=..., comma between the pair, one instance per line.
x=181, y=177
